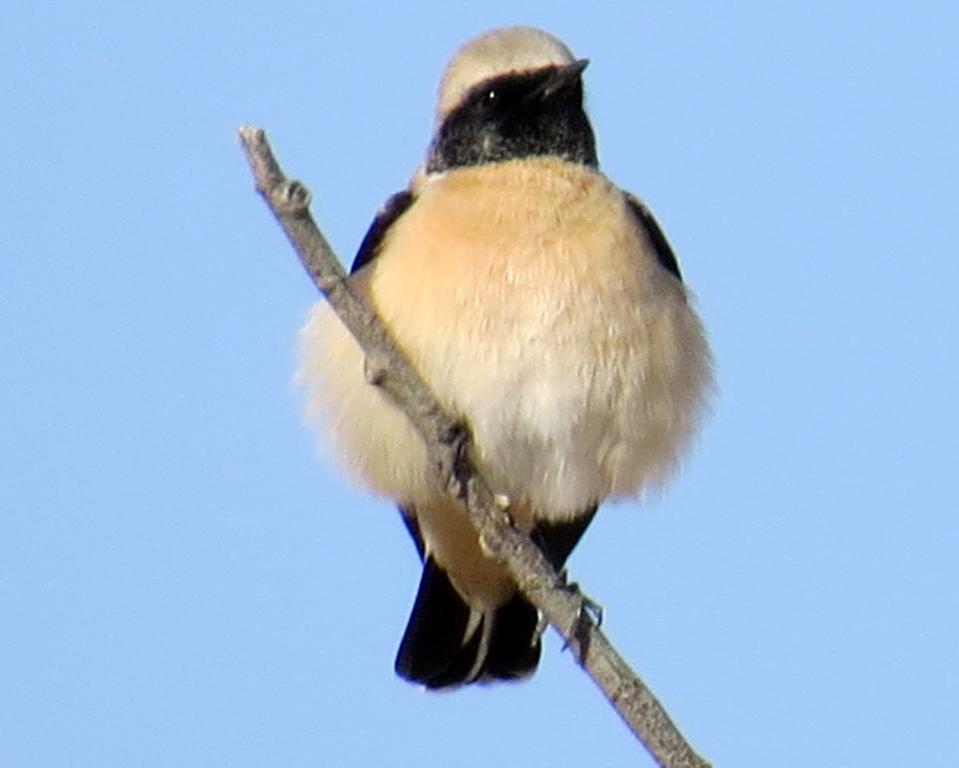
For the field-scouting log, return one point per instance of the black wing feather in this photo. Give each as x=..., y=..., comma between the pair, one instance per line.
x=556, y=540
x=413, y=527
x=664, y=253
x=395, y=207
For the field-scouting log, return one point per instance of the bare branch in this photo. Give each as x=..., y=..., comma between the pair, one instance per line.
x=448, y=444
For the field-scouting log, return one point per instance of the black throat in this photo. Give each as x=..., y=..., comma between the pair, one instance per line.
x=512, y=117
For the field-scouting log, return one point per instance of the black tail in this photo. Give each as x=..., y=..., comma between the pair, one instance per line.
x=447, y=643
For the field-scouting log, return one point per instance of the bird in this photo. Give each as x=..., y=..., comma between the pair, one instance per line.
x=543, y=306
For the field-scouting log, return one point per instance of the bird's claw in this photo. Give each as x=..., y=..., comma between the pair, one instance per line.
x=589, y=614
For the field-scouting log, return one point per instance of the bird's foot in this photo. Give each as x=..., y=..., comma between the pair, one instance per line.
x=589, y=614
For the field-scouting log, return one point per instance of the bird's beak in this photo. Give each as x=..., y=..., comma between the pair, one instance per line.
x=560, y=79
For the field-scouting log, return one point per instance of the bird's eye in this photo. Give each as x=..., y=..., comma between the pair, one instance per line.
x=491, y=95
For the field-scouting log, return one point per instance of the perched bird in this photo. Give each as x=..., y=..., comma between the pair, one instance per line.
x=541, y=304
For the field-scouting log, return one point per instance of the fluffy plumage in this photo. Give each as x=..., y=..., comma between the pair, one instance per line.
x=539, y=302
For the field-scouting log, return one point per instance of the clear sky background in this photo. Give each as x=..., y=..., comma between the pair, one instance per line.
x=185, y=582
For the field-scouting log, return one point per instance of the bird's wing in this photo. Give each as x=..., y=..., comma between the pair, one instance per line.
x=395, y=207
x=661, y=248
x=556, y=540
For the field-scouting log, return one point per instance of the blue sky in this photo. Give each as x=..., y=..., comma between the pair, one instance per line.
x=185, y=582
